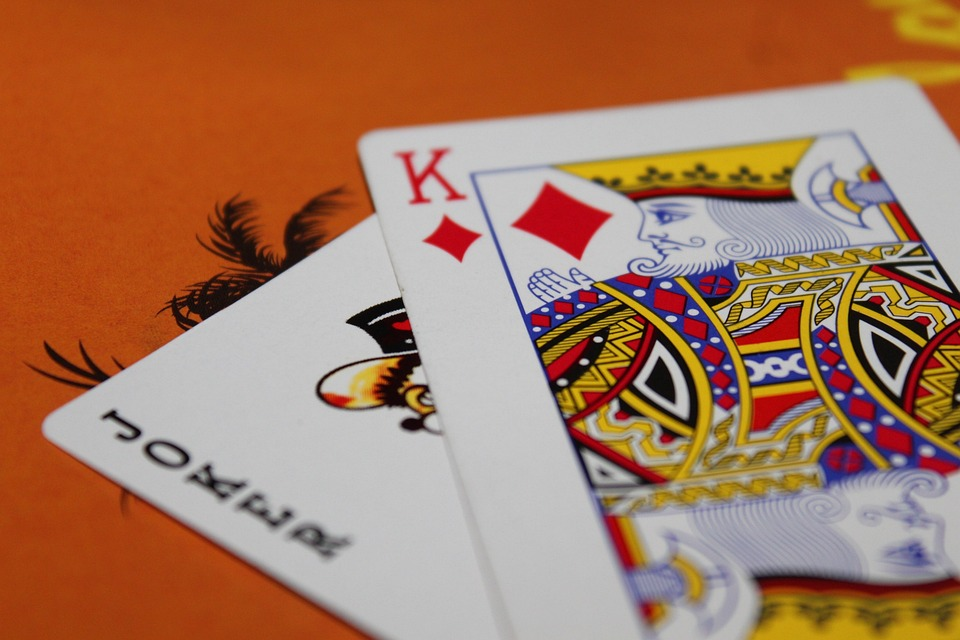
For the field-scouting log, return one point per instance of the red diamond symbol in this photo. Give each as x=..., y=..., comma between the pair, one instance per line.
x=637, y=281
x=720, y=379
x=713, y=355
x=894, y=440
x=841, y=381
x=452, y=238
x=538, y=320
x=878, y=300
x=561, y=220
x=669, y=301
x=726, y=401
x=830, y=357
x=587, y=296
x=825, y=334
x=862, y=409
x=562, y=307
x=695, y=328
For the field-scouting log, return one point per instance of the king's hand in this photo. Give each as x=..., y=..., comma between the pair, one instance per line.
x=548, y=285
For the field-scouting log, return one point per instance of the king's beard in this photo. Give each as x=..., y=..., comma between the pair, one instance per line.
x=683, y=262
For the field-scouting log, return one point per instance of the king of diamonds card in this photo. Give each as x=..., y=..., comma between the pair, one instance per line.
x=747, y=341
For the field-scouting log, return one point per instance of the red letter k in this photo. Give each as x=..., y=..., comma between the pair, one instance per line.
x=418, y=178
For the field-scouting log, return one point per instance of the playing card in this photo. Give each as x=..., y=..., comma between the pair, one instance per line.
x=295, y=429
x=697, y=361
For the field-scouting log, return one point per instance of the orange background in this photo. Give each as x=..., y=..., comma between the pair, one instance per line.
x=123, y=123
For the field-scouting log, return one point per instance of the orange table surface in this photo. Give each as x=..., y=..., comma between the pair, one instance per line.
x=122, y=124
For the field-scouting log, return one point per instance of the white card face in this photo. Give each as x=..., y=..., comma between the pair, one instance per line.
x=295, y=430
x=688, y=354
